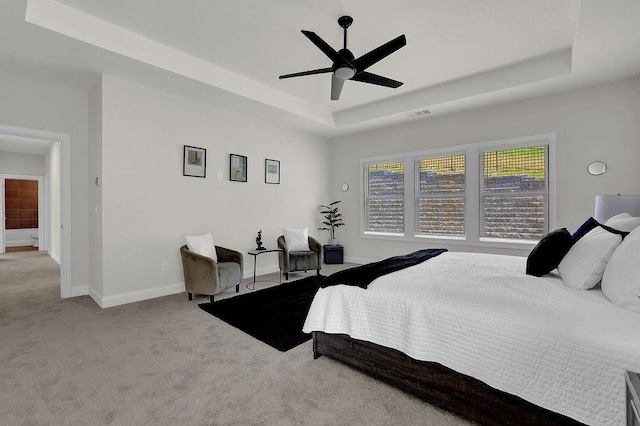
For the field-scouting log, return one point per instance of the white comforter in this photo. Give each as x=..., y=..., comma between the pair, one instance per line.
x=479, y=314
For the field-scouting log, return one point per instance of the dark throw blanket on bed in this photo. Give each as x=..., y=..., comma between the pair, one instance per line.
x=362, y=276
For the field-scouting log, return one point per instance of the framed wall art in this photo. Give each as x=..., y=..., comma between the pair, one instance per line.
x=237, y=168
x=271, y=171
x=194, y=161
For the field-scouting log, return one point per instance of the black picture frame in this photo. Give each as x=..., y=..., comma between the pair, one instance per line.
x=272, y=171
x=194, y=161
x=237, y=168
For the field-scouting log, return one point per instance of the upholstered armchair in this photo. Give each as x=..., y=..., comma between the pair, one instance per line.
x=291, y=261
x=203, y=275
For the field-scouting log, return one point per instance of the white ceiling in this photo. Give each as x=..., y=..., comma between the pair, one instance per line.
x=460, y=53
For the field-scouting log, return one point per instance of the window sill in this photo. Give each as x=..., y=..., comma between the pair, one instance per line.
x=525, y=245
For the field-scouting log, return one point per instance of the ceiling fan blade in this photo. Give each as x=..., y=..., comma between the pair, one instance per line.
x=311, y=72
x=368, y=59
x=367, y=77
x=336, y=87
x=322, y=45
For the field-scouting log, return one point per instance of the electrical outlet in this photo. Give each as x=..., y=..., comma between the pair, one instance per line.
x=165, y=266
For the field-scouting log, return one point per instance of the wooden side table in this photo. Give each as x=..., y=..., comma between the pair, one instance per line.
x=333, y=255
x=633, y=398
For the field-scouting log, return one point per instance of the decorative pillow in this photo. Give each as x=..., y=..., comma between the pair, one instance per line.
x=616, y=217
x=627, y=224
x=203, y=245
x=547, y=254
x=587, y=226
x=621, y=280
x=296, y=239
x=584, y=264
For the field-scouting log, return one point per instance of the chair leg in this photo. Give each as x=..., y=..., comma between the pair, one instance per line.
x=286, y=276
x=211, y=298
x=318, y=272
x=190, y=296
x=237, y=288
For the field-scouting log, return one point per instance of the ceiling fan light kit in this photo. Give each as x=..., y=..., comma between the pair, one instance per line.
x=346, y=66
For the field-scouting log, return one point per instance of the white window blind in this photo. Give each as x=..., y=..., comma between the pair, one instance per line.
x=514, y=193
x=384, y=197
x=440, y=196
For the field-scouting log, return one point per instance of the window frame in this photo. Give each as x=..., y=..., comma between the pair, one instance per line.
x=363, y=198
x=472, y=194
x=417, y=196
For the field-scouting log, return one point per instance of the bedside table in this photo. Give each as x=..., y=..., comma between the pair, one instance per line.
x=633, y=398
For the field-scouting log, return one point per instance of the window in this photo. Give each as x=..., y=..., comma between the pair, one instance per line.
x=384, y=197
x=497, y=193
x=440, y=195
x=513, y=193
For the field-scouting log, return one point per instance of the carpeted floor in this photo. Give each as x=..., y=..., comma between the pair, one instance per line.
x=166, y=361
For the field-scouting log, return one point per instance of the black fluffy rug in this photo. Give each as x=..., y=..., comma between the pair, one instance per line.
x=274, y=315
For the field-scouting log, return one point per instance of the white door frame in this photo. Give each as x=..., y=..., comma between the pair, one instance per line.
x=65, y=195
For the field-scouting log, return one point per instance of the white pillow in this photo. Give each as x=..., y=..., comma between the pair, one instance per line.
x=623, y=222
x=296, y=239
x=621, y=280
x=203, y=245
x=616, y=217
x=583, y=266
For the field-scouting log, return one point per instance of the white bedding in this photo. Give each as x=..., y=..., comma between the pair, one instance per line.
x=479, y=314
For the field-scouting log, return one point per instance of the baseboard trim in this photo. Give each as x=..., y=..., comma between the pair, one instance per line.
x=358, y=260
x=261, y=271
x=57, y=260
x=81, y=290
x=140, y=295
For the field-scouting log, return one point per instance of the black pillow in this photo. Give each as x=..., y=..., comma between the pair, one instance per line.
x=547, y=254
x=589, y=225
x=584, y=229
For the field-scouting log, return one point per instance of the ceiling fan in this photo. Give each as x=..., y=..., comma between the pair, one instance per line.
x=346, y=66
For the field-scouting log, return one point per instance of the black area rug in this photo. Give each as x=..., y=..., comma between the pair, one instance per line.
x=274, y=315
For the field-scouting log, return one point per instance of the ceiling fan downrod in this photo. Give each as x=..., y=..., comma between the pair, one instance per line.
x=345, y=22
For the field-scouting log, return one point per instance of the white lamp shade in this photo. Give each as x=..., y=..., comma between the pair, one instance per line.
x=608, y=206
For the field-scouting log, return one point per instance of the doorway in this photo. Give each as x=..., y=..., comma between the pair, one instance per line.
x=23, y=227
x=60, y=212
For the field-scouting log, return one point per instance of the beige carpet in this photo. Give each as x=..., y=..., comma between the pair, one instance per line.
x=165, y=361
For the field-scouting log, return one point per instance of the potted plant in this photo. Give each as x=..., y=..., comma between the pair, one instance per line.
x=333, y=220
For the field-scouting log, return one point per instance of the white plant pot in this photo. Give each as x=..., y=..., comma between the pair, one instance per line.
x=333, y=241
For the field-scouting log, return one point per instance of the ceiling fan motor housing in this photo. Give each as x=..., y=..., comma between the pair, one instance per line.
x=343, y=68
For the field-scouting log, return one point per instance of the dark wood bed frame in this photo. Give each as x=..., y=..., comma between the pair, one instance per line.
x=435, y=383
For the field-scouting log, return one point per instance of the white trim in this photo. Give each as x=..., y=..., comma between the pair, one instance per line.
x=472, y=194
x=81, y=290
x=57, y=260
x=136, y=296
x=65, y=195
x=358, y=260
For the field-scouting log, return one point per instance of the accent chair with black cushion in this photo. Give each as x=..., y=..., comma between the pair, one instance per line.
x=204, y=275
x=293, y=259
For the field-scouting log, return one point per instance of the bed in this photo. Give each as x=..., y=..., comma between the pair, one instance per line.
x=474, y=334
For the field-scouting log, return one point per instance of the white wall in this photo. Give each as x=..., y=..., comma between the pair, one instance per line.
x=21, y=164
x=38, y=105
x=148, y=206
x=597, y=123
x=95, y=194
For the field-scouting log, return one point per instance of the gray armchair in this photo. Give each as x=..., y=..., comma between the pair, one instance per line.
x=291, y=261
x=203, y=275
